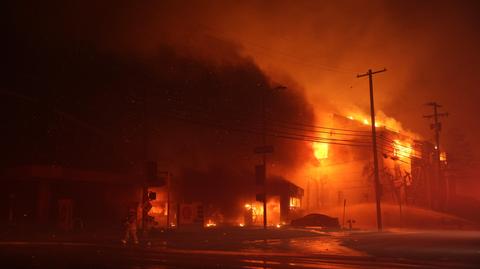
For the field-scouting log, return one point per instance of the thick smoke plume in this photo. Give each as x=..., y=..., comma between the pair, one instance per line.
x=90, y=100
x=210, y=54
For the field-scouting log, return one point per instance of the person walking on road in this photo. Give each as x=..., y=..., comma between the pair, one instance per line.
x=130, y=226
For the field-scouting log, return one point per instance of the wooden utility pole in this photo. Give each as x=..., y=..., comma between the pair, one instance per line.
x=374, y=146
x=437, y=126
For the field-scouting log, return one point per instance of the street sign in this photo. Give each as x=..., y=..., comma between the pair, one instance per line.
x=186, y=214
x=191, y=214
x=263, y=149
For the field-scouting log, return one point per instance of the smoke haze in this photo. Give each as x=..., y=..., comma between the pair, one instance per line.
x=315, y=48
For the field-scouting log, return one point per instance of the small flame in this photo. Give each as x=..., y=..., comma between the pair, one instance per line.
x=210, y=223
x=255, y=209
x=443, y=156
x=294, y=202
x=381, y=120
x=156, y=210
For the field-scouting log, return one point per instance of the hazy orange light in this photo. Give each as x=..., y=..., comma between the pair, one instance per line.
x=320, y=150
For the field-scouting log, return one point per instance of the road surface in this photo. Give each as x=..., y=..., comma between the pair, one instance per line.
x=433, y=249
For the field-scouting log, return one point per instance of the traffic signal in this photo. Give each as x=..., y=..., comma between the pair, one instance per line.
x=152, y=196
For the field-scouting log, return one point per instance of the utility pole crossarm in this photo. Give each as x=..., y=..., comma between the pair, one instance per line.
x=372, y=73
x=438, y=115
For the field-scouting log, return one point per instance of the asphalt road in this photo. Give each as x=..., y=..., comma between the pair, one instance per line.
x=338, y=250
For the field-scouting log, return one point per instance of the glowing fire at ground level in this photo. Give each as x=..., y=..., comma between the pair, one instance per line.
x=252, y=214
x=344, y=173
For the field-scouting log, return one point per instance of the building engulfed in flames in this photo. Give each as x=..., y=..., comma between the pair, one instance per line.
x=344, y=171
x=284, y=203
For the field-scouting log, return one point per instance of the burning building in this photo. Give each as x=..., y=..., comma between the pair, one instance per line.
x=284, y=203
x=344, y=168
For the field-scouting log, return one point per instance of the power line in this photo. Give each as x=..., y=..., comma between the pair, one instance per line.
x=282, y=134
x=331, y=133
x=295, y=136
x=291, y=137
x=273, y=131
x=222, y=36
x=321, y=127
x=276, y=132
x=293, y=125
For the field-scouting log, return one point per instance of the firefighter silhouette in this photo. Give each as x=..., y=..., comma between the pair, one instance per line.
x=130, y=227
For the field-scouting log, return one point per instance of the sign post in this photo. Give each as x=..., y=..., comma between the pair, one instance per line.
x=261, y=177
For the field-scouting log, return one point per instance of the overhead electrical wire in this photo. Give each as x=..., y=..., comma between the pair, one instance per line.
x=287, y=124
x=385, y=147
x=256, y=132
x=223, y=36
x=319, y=127
x=272, y=132
x=276, y=128
x=277, y=132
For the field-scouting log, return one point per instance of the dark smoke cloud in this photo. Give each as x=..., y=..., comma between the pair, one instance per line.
x=76, y=68
x=429, y=47
x=316, y=47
